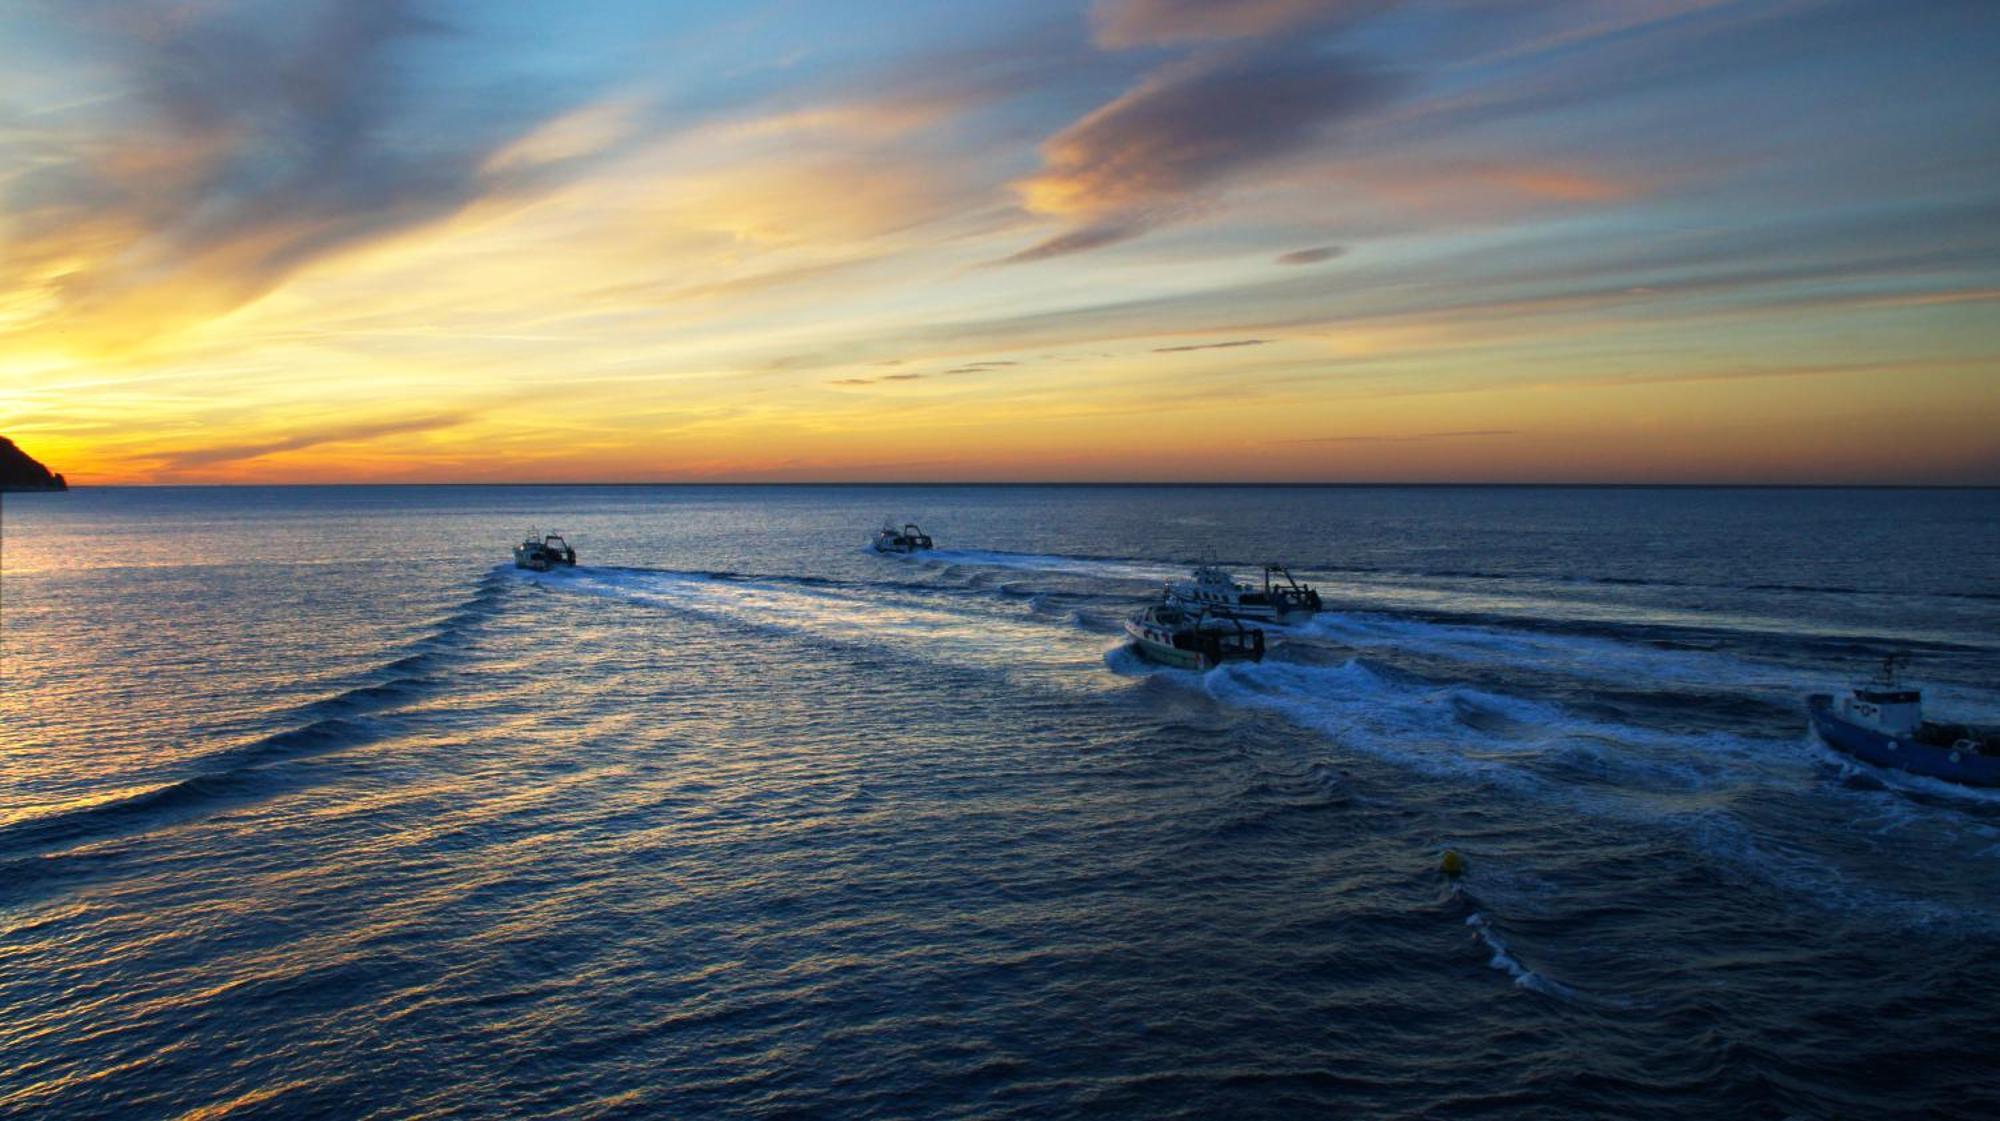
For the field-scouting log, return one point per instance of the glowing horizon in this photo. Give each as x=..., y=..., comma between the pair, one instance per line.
x=1645, y=241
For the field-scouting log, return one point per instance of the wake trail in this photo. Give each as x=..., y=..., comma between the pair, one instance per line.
x=912, y=621
x=352, y=717
x=1445, y=728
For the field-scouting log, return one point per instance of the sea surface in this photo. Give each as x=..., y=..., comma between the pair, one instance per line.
x=312, y=805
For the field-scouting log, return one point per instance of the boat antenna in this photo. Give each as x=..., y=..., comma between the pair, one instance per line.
x=1893, y=662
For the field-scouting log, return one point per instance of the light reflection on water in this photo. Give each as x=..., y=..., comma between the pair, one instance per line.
x=338, y=814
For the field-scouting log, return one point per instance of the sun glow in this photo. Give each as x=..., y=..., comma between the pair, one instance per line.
x=837, y=267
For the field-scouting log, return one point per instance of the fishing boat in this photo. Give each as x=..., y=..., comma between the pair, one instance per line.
x=1172, y=636
x=1216, y=590
x=1881, y=721
x=544, y=553
x=908, y=539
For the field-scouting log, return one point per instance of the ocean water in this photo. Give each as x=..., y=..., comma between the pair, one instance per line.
x=312, y=805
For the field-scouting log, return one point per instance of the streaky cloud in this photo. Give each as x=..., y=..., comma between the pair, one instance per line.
x=254, y=143
x=1311, y=256
x=1210, y=346
x=1079, y=241
x=1469, y=434
x=1190, y=128
x=1136, y=23
x=335, y=434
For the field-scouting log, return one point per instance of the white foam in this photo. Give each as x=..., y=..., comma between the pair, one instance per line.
x=1446, y=730
x=1523, y=976
x=1422, y=726
x=1008, y=638
x=1591, y=658
x=1151, y=572
x=1123, y=660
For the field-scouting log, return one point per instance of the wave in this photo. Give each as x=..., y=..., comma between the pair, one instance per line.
x=1579, y=748
x=1657, y=582
x=1503, y=959
x=1656, y=626
x=1007, y=635
x=1439, y=729
x=1705, y=788
x=1113, y=568
x=1855, y=773
x=1753, y=637
x=144, y=808
x=1594, y=658
x=1167, y=567
x=349, y=718
x=1724, y=677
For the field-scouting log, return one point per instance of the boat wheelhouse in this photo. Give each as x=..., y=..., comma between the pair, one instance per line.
x=1216, y=590
x=1172, y=636
x=908, y=539
x=1881, y=721
x=544, y=553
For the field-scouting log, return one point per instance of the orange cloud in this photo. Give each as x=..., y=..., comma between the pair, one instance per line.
x=1555, y=183
x=1459, y=190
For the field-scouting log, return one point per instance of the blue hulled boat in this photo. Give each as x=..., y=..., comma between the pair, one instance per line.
x=1882, y=722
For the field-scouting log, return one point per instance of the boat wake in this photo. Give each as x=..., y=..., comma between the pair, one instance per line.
x=1096, y=568
x=1018, y=637
x=1426, y=698
x=355, y=716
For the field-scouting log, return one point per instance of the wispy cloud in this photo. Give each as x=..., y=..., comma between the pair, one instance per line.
x=1210, y=346
x=967, y=368
x=1189, y=128
x=1471, y=434
x=1132, y=23
x=1311, y=256
x=255, y=144
x=330, y=239
x=310, y=438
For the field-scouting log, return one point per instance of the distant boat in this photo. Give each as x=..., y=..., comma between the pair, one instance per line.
x=544, y=553
x=1215, y=590
x=1881, y=721
x=908, y=539
x=1171, y=636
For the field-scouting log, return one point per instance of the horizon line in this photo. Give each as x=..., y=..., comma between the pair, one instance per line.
x=1070, y=484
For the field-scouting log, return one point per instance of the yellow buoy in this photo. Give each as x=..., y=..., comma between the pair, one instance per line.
x=1453, y=863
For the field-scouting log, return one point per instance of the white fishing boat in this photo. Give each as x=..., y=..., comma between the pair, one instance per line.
x=908, y=539
x=543, y=553
x=1171, y=636
x=1216, y=590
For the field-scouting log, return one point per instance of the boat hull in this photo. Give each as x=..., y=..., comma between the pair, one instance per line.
x=1196, y=649
x=541, y=560
x=1155, y=651
x=1900, y=753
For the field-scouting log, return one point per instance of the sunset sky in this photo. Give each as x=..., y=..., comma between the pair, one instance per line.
x=1342, y=240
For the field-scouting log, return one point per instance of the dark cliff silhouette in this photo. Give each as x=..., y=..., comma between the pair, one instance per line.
x=19, y=471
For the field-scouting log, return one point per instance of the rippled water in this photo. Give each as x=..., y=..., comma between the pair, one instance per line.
x=310, y=804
